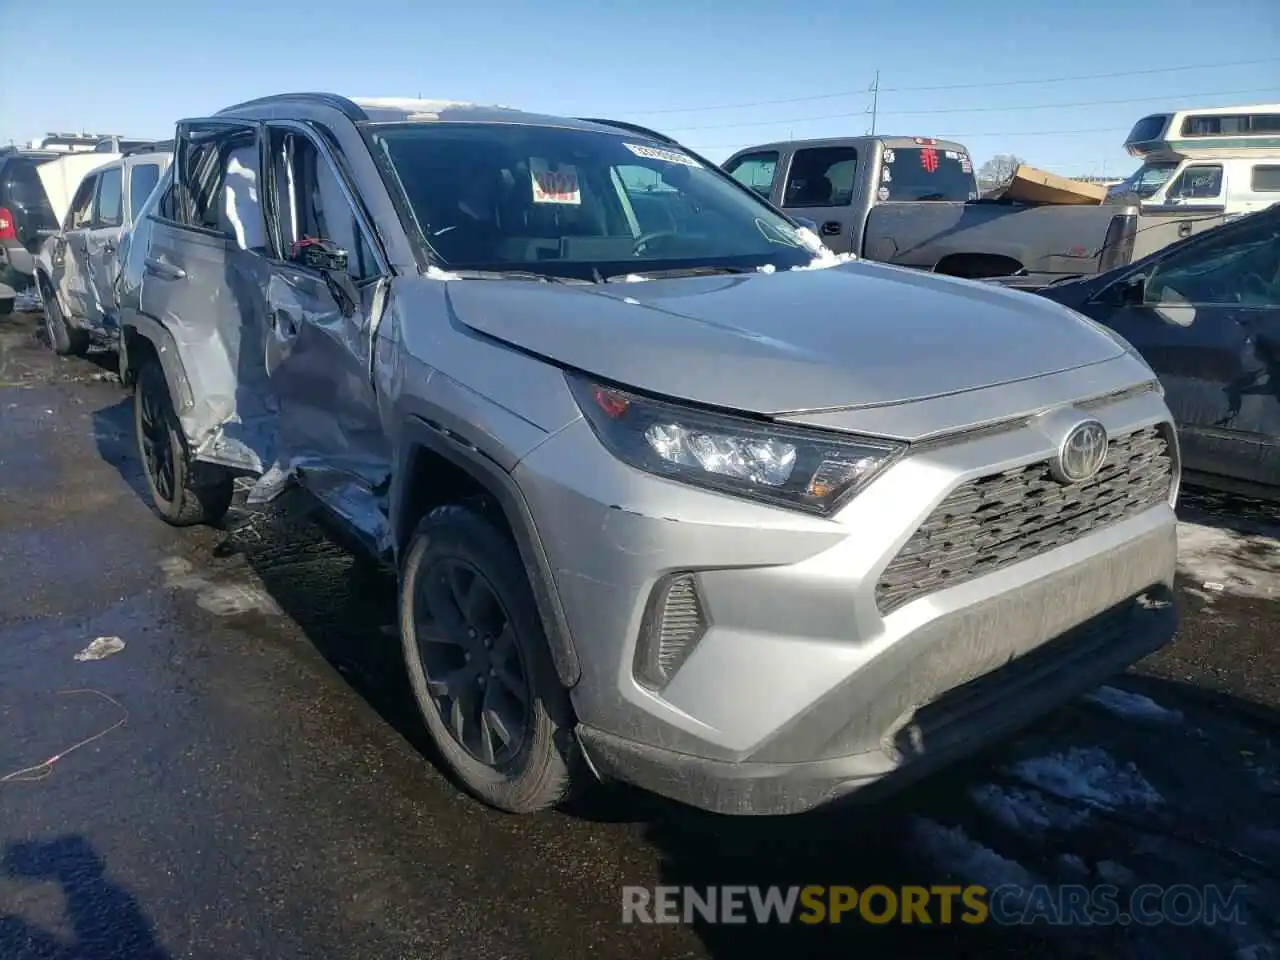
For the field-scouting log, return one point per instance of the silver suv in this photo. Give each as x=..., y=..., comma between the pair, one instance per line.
x=675, y=497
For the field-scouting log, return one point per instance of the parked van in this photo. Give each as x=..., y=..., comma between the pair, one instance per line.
x=1220, y=160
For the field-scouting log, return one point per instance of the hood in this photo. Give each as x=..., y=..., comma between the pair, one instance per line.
x=854, y=335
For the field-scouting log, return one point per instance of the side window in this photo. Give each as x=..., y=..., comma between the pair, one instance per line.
x=1266, y=179
x=755, y=170
x=821, y=177
x=81, y=213
x=310, y=202
x=110, y=203
x=1198, y=183
x=1235, y=265
x=142, y=180
x=216, y=183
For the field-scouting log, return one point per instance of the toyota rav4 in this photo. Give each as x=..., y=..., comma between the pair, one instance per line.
x=675, y=496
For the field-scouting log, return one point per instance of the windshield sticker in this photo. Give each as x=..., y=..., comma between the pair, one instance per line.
x=952, y=155
x=888, y=156
x=966, y=165
x=554, y=186
x=929, y=160
x=883, y=193
x=657, y=153
x=886, y=174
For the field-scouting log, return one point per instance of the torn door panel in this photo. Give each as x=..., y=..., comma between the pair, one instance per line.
x=233, y=420
x=318, y=363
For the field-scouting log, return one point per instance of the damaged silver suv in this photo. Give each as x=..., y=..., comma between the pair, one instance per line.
x=675, y=497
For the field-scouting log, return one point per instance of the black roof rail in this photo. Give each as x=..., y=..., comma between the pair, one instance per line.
x=157, y=146
x=349, y=109
x=633, y=127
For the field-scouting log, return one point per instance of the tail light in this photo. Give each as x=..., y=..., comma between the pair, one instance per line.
x=927, y=141
x=1117, y=246
x=8, y=229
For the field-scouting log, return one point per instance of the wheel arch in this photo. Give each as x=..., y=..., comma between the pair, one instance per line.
x=434, y=466
x=142, y=338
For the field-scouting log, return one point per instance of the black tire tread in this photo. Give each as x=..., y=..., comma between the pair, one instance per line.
x=66, y=340
x=204, y=493
x=550, y=765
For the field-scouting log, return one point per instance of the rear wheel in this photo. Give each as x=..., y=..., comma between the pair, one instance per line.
x=479, y=663
x=183, y=492
x=65, y=339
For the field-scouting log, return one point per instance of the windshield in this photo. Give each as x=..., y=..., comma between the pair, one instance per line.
x=1146, y=180
x=926, y=173
x=575, y=203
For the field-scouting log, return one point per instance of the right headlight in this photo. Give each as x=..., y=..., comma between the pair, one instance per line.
x=802, y=469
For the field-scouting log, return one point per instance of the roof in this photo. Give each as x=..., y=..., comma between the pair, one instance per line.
x=417, y=110
x=889, y=140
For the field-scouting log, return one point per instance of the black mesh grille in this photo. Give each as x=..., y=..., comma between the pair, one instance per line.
x=994, y=521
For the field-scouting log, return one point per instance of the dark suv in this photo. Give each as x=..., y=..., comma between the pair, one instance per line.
x=24, y=213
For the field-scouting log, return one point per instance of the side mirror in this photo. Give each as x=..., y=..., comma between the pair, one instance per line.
x=319, y=254
x=1130, y=292
x=806, y=222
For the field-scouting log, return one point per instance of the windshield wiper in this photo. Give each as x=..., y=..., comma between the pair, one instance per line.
x=703, y=271
x=514, y=275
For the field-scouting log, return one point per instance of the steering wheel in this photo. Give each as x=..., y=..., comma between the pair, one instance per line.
x=644, y=239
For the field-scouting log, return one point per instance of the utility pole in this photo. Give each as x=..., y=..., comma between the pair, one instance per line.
x=875, y=101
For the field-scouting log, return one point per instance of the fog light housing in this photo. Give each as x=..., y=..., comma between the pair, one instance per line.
x=674, y=621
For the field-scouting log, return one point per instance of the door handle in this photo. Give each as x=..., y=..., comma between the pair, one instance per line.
x=1184, y=228
x=831, y=228
x=166, y=271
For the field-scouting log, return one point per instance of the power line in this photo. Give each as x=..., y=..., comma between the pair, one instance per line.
x=1030, y=106
x=960, y=86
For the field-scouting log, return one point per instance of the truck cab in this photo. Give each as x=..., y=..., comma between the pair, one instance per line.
x=913, y=202
x=825, y=181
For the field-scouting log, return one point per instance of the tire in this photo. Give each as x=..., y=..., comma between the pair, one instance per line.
x=540, y=772
x=183, y=493
x=66, y=340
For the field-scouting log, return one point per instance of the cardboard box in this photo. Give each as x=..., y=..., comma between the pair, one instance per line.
x=1030, y=185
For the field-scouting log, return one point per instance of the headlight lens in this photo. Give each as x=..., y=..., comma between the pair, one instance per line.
x=802, y=469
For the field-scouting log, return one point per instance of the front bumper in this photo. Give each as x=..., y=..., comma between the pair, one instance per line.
x=800, y=689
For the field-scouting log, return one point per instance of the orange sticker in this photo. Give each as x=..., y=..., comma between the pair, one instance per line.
x=554, y=186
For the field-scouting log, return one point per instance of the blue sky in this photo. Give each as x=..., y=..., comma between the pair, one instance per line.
x=701, y=70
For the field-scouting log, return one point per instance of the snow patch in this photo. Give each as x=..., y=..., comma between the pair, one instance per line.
x=1111, y=872
x=634, y=278
x=822, y=263
x=1024, y=811
x=1089, y=775
x=1073, y=864
x=435, y=273
x=955, y=851
x=1132, y=705
x=1227, y=561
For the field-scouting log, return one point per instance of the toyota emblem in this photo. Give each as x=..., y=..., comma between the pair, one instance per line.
x=1082, y=452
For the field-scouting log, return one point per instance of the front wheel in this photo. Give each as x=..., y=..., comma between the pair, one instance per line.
x=183, y=493
x=480, y=666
